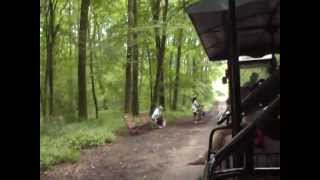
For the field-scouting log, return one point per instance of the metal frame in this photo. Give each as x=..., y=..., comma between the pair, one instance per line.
x=233, y=66
x=247, y=136
x=275, y=171
x=267, y=27
x=233, y=74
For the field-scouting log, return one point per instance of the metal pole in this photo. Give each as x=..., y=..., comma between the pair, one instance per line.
x=234, y=76
x=235, y=71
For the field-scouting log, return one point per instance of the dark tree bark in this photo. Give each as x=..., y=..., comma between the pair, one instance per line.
x=51, y=31
x=135, y=63
x=177, y=79
x=82, y=87
x=42, y=103
x=128, y=82
x=155, y=6
x=131, y=103
x=160, y=39
x=161, y=89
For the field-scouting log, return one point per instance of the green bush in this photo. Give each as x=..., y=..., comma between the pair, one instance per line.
x=62, y=142
x=172, y=116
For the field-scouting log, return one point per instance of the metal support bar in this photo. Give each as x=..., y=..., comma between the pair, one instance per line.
x=235, y=71
x=233, y=61
x=210, y=139
x=236, y=172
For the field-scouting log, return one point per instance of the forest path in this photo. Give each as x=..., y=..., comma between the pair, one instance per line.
x=160, y=154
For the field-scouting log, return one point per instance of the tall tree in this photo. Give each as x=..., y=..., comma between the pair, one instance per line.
x=128, y=75
x=82, y=87
x=51, y=32
x=160, y=41
x=177, y=76
x=150, y=71
x=135, y=62
x=105, y=64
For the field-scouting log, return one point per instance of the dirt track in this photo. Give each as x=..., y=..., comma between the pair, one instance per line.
x=160, y=154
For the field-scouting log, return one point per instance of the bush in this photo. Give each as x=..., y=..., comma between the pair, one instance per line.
x=62, y=142
x=172, y=116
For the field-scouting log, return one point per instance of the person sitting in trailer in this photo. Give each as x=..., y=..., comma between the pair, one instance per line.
x=251, y=85
x=253, y=80
x=157, y=117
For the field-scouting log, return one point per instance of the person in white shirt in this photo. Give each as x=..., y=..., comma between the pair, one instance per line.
x=195, y=109
x=157, y=117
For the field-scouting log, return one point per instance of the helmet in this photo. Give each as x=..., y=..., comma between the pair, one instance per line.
x=160, y=107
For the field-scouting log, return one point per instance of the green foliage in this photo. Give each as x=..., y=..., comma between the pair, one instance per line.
x=63, y=135
x=62, y=142
x=245, y=74
x=172, y=116
x=56, y=150
x=109, y=48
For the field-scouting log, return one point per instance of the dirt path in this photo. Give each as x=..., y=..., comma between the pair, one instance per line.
x=161, y=154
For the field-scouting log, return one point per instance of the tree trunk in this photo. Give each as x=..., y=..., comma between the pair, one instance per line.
x=135, y=64
x=163, y=48
x=127, y=97
x=51, y=31
x=82, y=87
x=176, y=82
x=155, y=6
x=158, y=92
x=92, y=41
x=42, y=104
x=150, y=73
x=141, y=73
x=161, y=89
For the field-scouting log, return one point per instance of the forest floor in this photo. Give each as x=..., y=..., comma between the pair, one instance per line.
x=158, y=154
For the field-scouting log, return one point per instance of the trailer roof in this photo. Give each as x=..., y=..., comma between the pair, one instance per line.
x=258, y=26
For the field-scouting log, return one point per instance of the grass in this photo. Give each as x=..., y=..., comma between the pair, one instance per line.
x=61, y=140
x=172, y=116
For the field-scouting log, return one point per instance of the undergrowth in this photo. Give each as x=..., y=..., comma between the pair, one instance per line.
x=62, y=139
